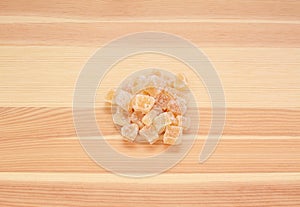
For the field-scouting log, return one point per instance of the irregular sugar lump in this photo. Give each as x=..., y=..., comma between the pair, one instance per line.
x=161, y=121
x=142, y=103
x=172, y=135
x=122, y=99
x=130, y=131
x=149, y=133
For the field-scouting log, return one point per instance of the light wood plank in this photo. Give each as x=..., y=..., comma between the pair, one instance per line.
x=32, y=122
x=157, y=10
x=182, y=178
x=249, y=154
x=189, y=190
x=251, y=77
x=201, y=33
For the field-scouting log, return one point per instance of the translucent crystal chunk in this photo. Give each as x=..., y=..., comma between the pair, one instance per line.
x=163, y=99
x=155, y=81
x=138, y=84
x=178, y=94
x=122, y=99
x=161, y=121
x=150, y=133
x=140, y=124
x=177, y=106
x=180, y=82
x=120, y=118
x=130, y=131
x=136, y=117
x=142, y=103
x=172, y=135
x=157, y=73
x=110, y=96
x=169, y=81
x=152, y=91
x=148, y=118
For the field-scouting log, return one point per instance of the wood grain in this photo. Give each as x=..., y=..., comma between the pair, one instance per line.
x=46, y=76
x=191, y=190
x=255, y=48
x=155, y=10
x=231, y=156
x=33, y=122
x=97, y=34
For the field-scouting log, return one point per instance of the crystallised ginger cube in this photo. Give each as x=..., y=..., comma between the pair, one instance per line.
x=172, y=135
x=140, y=124
x=175, y=93
x=136, y=117
x=122, y=99
x=161, y=121
x=163, y=99
x=142, y=103
x=130, y=131
x=171, y=116
x=150, y=133
x=152, y=91
x=110, y=96
x=138, y=84
x=180, y=82
x=155, y=81
x=177, y=106
x=173, y=107
x=148, y=118
x=120, y=118
x=157, y=72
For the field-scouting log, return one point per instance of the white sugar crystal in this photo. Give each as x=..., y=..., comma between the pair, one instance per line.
x=155, y=81
x=177, y=106
x=122, y=99
x=120, y=118
x=161, y=121
x=148, y=118
x=138, y=84
x=130, y=131
x=149, y=133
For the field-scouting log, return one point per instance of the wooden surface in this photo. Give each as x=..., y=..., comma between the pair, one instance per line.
x=255, y=48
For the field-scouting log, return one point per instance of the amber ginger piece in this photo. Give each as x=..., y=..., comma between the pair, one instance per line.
x=163, y=99
x=136, y=117
x=180, y=82
x=110, y=96
x=142, y=103
x=172, y=135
